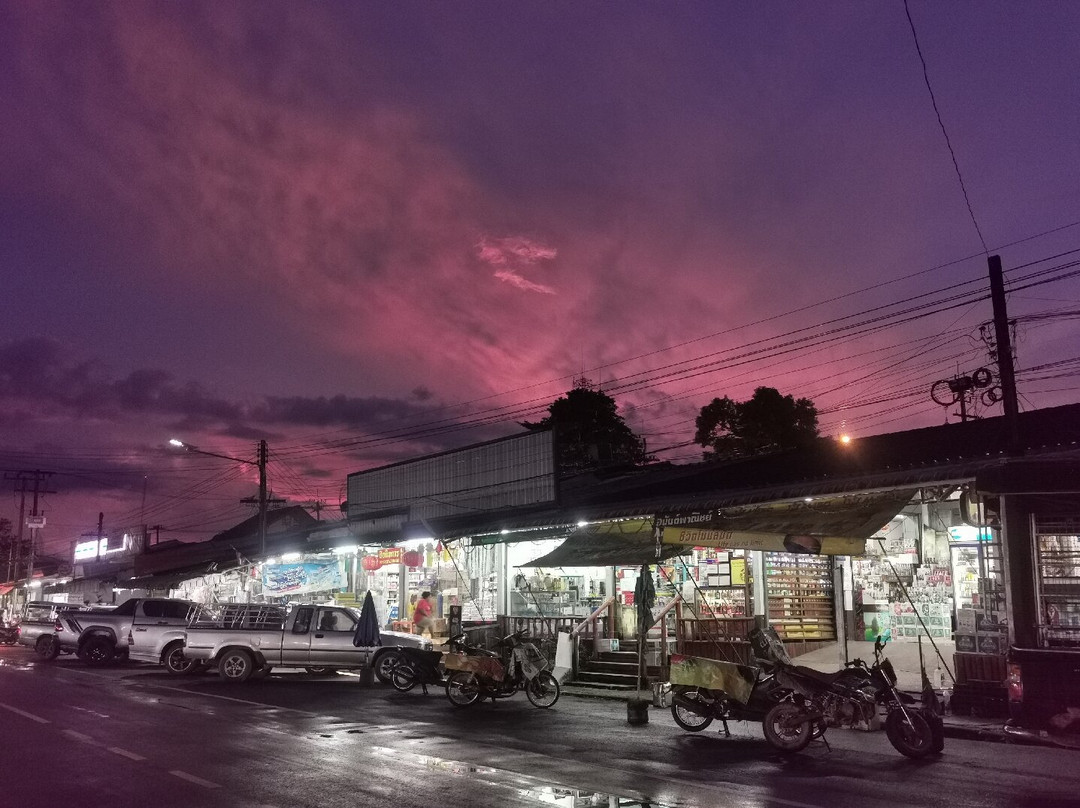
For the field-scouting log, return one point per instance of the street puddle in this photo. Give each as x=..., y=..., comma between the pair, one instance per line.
x=575, y=798
x=522, y=785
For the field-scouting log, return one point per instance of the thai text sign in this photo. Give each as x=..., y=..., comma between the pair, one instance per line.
x=835, y=525
x=390, y=555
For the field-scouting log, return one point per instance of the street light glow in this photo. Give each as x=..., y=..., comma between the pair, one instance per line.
x=179, y=444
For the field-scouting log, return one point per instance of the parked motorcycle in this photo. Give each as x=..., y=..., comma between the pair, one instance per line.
x=418, y=667
x=704, y=690
x=521, y=666
x=9, y=634
x=849, y=698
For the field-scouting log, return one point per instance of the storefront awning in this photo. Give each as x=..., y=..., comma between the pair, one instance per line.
x=838, y=525
x=626, y=543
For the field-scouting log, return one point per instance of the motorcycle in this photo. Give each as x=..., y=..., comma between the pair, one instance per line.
x=499, y=676
x=704, y=690
x=9, y=634
x=851, y=698
x=418, y=667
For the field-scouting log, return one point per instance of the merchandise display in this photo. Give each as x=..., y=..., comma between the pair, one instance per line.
x=800, y=596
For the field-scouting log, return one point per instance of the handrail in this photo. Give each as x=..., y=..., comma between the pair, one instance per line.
x=667, y=608
x=592, y=617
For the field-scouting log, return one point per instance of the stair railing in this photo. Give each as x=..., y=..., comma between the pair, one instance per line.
x=590, y=621
x=661, y=618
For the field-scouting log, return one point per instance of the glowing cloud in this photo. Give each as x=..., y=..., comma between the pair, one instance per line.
x=510, y=255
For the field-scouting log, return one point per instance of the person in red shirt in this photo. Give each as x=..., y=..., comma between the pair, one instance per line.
x=422, y=616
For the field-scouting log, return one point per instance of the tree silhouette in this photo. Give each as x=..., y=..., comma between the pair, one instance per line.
x=589, y=432
x=767, y=422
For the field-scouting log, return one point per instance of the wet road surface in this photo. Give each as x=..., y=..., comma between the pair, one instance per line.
x=131, y=735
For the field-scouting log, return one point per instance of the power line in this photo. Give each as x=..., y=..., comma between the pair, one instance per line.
x=948, y=142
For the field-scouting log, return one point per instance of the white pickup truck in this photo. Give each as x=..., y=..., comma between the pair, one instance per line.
x=145, y=629
x=246, y=640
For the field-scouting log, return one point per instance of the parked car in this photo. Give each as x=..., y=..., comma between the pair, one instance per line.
x=140, y=628
x=37, y=627
x=246, y=640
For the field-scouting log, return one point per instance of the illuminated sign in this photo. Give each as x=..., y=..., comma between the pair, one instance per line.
x=390, y=555
x=968, y=534
x=86, y=550
x=99, y=548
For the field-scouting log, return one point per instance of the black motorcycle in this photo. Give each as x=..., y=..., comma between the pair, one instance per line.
x=520, y=666
x=9, y=634
x=850, y=698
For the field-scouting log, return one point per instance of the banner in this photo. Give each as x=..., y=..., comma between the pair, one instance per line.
x=308, y=576
x=838, y=525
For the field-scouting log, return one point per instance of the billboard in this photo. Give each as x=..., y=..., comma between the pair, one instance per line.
x=308, y=576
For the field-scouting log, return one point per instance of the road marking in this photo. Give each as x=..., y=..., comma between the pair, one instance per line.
x=78, y=736
x=116, y=750
x=199, y=693
x=191, y=778
x=25, y=714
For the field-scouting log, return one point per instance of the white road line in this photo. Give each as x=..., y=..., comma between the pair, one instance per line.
x=116, y=750
x=191, y=778
x=25, y=714
x=201, y=694
x=78, y=736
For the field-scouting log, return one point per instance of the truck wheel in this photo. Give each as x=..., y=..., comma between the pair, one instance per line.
x=47, y=647
x=236, y=666
x=97, y=651
x=384, y=665
x=175, y=662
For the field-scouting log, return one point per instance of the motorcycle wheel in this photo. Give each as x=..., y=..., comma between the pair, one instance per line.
x=689, y=720
x=784, y=731
x=463, y=689
x=403, y=677
x=542, y=690
x=915, y=740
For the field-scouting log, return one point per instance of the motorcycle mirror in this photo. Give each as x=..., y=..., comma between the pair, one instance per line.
x=879, y=643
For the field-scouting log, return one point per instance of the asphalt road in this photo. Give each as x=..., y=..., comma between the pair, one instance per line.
x=130, y=735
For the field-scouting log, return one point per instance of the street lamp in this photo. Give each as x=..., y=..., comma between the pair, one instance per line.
x=260, y=464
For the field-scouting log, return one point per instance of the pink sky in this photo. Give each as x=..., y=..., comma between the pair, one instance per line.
x=318, y=224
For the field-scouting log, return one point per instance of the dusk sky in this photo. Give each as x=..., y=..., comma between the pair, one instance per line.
x=370, y=231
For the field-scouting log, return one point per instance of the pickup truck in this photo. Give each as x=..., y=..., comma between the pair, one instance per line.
x=247, y=640
x=146, y=629
x=37, y=628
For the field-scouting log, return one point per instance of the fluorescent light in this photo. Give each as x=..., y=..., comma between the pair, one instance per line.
x=291, y=557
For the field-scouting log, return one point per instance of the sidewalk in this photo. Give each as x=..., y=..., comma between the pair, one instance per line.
x=956, y=726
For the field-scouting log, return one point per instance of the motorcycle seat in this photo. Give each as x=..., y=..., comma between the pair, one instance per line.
x=818, y=676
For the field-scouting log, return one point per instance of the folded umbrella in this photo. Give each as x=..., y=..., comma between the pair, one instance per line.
x=367, y=630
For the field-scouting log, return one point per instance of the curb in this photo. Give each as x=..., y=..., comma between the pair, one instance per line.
x=992, y=733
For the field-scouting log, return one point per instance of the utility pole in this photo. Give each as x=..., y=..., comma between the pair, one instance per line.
x=1004, y=355
x=262, y=498
x=22, y=480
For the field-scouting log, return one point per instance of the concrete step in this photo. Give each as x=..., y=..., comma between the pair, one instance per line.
x=616, y=680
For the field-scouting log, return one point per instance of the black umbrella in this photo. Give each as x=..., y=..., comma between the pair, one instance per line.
x=367, y=630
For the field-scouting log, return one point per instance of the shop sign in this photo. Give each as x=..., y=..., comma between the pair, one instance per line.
x=35, y=522
x=966, y=534
x=836, y=525
x=390, y=555
x=769, y=542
